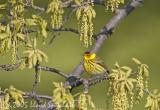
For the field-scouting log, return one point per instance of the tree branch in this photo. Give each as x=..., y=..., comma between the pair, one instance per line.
x=108, y=29
x=71, y=5
x=35, y=7
x=35, y=84
x=36, y=81
x=10, y=67
x=31, y=95
x=46, y=106
x=44, y=68
x=56, y=30
x=67, y=4
x=99, y=78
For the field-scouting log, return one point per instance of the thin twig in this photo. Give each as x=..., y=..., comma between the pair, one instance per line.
x=98, y=2
x=36, y=79
x=35, y=7
x=35, y=84
x=40, y=106
x=64, y=29
x=67, y=29
x=31, y=95
x=68, y=4
x=96, y=79
x=44, y=68
x=10, y=67
x=57, y=30
x=85, y=83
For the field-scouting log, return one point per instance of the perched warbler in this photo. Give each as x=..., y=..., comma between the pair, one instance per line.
x=93, y=65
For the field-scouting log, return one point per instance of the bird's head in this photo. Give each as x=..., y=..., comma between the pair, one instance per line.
x=89, y=56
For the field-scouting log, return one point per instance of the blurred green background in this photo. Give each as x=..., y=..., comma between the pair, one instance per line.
x=136, y=36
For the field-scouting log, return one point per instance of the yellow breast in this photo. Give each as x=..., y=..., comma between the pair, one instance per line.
x=93, y=68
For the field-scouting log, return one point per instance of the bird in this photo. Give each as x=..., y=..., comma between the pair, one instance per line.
x=93, y=65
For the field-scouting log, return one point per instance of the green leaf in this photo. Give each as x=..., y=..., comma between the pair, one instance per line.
x=61, y=97
x=21, y=36
x=39, y=57
x=30, y=22
x=2, y=6
x=3, y=36
x=31, y=54
x=126, y=68
x=27, y=52
x=2, y=28
x=14, y=94
x=34, y=58
x=78, y=13
x=43, y=55
x=44, y=33
x=35, y=43
x=149, y=102
x=117, y=65
x=136, y=61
